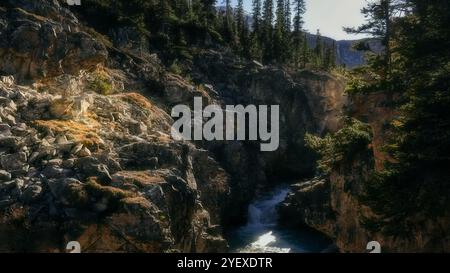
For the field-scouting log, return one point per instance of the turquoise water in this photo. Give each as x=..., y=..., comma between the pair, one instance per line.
x=261, y=234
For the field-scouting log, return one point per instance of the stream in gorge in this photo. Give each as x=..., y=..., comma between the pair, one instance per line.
x=262, y=234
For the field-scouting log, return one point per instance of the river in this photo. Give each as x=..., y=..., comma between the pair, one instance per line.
x=262, y=234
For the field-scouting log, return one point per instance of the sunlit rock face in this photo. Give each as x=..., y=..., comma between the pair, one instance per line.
x=86, y=153
x=40, y=40
x=84, y=159
x=102, y=170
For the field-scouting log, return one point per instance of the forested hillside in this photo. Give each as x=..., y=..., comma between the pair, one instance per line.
x=274, y=35
x=397, y=167
x=87, y=155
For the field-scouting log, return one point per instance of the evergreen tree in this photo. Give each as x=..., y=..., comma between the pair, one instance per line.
x=414, y=187
x=256, y=16
x=305, y=52
x=256, y=37
x=318, y=50
x=240, y=17
x=242, y=30
x=288, y=16
x=164, y=11
x=280, y=35
x=297, y=35
x=299, y=10
x=228, y=9
x=229, y=24
x=329, y=61
x=267, y=16
x=206, y=11
x=380, y=14
x=267, y=31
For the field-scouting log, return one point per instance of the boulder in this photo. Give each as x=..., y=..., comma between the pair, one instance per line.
x=13, y=162
x=5, y=176
x=53, y=171
x=69, y=192
x=177, y=90
x=31, y=193
x=90, y=166
x=11, y=142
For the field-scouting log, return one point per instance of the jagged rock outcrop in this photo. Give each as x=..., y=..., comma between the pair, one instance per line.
x=105, y=173
x=309, y=102
x=44, y=40
x=83, y=160
x=86, y=153
x=332, y=204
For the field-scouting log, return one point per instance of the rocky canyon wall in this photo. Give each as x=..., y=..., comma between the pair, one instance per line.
x=332, y=204
x=85, y=147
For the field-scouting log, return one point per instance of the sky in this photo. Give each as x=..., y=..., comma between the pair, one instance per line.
x=330, y=16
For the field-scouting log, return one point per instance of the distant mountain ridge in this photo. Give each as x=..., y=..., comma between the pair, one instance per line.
x=346, y=55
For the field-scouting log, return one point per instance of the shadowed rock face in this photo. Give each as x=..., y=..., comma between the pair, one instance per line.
x=333, y=206
x=86, y=153
x=309, y=102
x=42, y=39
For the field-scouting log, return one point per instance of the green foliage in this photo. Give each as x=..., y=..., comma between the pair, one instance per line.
x=413, y=189
x=101, y=84
x=175, y=68
x=171, y=26
x=340, y=147
x=176, y=28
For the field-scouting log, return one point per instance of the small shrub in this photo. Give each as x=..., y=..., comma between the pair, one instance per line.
x=101, y=84
x=341, y=146
x=175, y=68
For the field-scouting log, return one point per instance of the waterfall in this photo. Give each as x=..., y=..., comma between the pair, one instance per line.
x=262, y=216
x=261, y=234
x=254, y=216
x=263, y=212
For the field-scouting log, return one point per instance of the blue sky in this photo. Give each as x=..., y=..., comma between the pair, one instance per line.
x=329, y=16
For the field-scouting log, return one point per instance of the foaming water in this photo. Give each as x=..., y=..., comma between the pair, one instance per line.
x=261, y=234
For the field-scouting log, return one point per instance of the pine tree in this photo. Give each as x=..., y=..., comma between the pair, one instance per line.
x=267, y=16
x=256, y=36
x=318, y=50
x=228, y=10
x=267, y=31
x=242, y=30
x=305, y=52
x=206, y=12
x=288, y=15
x=280, y=35
x=240, y=17
x=256, y=16
x=379, y=25
x=164, y=10
x=297, y=35
x=416, y=183
x=327, y=59
x=299, y=10
x=228, y=25
x=280, y=23
x=333, y=55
